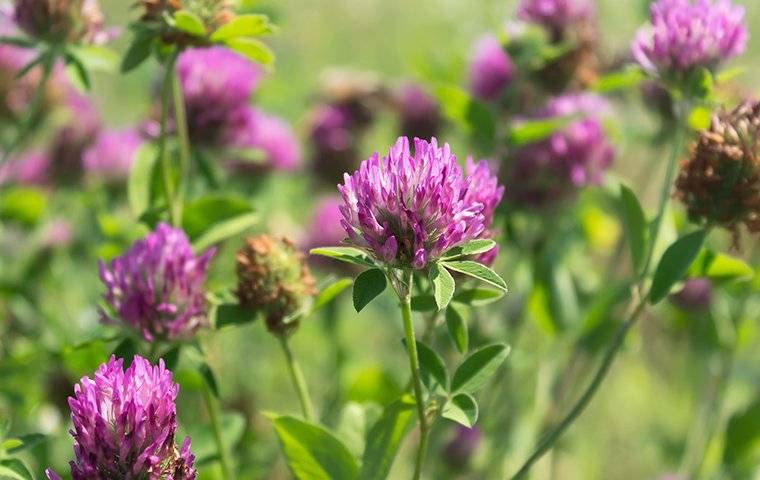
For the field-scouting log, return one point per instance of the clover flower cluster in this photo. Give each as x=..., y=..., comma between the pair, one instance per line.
x=542, y=173
x=720, y=182
x=125, y=423
x=408, y=208
x=156, y=287
x=217, y=85
x=684, y=35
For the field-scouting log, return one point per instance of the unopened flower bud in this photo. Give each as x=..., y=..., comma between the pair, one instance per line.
x=273, y=279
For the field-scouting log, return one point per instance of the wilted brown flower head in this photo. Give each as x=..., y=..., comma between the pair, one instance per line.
x=213, y=14
x=720, y=182
x=578, y=67
x=273, y=279
x=62, y=20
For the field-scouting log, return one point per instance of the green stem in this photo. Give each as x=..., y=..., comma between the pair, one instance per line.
x=299, y=383
x=667, y=186
x=414, y=365
x=612, y=350
x=224, y=460
x=180, y=122
x=48, y=65
x=165, y=158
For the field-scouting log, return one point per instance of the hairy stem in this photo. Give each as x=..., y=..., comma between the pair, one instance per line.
x=414, y=365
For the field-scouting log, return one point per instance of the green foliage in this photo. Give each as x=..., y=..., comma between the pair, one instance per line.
x=476, y=270
x=473, y=373
x=461, y=408
x=345, y=254
x=443, y=285
x=635, y=224
x=385, y=437
x=742, y=447
x=312, y=452
x=432, y=369
x=25, y=205
x=367, y=286
x=469, y=114
x=675, y=263
x=457, y=328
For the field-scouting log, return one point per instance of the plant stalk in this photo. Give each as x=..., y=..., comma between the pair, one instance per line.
x=164, y=157
x=180, y=122
x=216, y=427
x=414, y=365
x=299, y=383
x=619, y=338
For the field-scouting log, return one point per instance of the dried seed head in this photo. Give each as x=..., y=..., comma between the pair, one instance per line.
x=720, y=182
x=273, y=279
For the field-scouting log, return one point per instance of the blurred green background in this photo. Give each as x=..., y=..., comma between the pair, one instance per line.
x=635, y=427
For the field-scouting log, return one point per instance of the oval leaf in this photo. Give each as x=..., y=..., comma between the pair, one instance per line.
x=140, y=179
x=473, y=247
x=475, y=371
x=344, y=254
x=384, y=438
x=457, y=327
x=252, y=49
x=477, y=270
x=443, y=285
x=329, y=293
x=432, y=369
x=223, y=230
x=674, y=264
x=635, y=225
x=189, y=22
x=461, y=408
x=15, y=469
x=232, y=314
x=478, y=297
x=243, y=26
x=367, y=286
x=312, y=452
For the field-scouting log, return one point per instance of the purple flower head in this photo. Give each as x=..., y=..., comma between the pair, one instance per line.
x=407, y=209
x=111, y=155
x=491, y=69
x=578, y=154
x=554, y=14
x=275, y=139
x=419, y=113
x=156, y=287
x=484, y=189
x=217, y=84
x=125, y=424
x=683, y=35
x=462, y=446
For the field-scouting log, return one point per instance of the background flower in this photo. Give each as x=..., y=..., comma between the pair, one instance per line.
x=684, y=35
x=156, y=287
